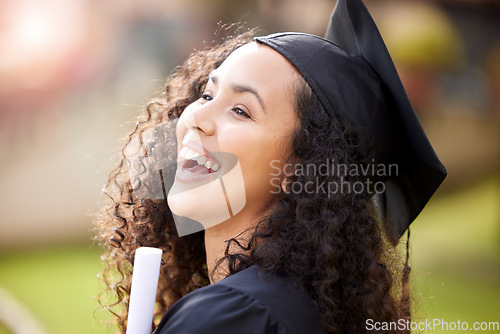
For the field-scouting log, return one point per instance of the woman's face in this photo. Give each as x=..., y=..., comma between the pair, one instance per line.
x=235, y=137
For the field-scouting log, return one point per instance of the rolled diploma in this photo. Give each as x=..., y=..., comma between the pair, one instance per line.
x=143, y=291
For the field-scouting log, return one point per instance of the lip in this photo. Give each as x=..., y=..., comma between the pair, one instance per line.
x=184, y=176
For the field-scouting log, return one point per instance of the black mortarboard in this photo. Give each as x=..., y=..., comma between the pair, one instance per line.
x=352, y=74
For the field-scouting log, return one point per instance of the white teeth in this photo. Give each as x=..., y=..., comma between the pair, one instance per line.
x=192, y=155
x=183, y=152
x=202, y=160
x=187, y=153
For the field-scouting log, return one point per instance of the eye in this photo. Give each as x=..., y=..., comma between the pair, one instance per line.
x=240, y=112
x=206, y=96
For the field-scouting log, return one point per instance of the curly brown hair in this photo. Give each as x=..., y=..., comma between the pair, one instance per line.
x=332, y=245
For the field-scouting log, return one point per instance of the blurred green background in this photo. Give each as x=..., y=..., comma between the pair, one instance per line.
x=74, y=74
x=455, y=255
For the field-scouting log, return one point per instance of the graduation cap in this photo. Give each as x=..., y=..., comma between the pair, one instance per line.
x=352, y=74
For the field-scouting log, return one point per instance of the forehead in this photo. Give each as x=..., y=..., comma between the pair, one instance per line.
x=258, y=65
x=257, y=51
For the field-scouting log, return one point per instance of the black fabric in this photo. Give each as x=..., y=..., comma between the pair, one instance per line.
x=353, y=76
x=248, y=302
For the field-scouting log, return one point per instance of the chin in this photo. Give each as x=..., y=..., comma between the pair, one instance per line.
x=209, y=203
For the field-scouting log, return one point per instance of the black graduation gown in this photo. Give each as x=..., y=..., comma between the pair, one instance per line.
x=247, y=302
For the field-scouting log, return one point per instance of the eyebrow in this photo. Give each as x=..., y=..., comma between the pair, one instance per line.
x=241, y=89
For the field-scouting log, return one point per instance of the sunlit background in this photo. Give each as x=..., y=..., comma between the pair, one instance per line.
x=74, y=74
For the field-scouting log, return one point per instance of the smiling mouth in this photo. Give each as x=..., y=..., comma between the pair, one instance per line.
x=197, y=163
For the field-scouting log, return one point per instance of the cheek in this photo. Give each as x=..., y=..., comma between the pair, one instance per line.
x=272, y=157
x=258, y=154
x=244, y=142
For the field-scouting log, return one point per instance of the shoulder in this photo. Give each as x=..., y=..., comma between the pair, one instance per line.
x=218, y=309
x=246, y=302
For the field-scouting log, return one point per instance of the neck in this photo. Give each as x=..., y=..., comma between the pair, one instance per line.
x=216, y=240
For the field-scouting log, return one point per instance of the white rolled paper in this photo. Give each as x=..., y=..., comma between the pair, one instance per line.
x=143, y=291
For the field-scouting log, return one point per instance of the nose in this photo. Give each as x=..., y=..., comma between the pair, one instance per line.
x=202, y=119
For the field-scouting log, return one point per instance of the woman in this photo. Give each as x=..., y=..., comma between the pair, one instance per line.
x=312, y=163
